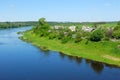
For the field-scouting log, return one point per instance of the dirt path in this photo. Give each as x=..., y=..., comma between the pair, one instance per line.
x=111, y=57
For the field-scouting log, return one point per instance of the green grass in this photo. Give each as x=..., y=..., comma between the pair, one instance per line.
x=104, y=51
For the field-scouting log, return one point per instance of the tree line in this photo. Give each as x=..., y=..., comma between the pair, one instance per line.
x=4, y=25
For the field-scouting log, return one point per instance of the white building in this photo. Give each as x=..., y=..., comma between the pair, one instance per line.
x=72, y=28
x=58, y=27
x=88, y=29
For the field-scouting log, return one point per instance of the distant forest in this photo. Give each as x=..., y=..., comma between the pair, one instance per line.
x=4, y=25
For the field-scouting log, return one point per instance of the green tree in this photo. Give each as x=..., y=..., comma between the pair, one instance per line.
x=116, y=34
x=65, y=39
x=118, y=23
x=61, y=35
x=42, y=24
x=41, y=21
x=85, y=34
x=117, y=28
x=42, y=27
x=97, y=35
x=69, y=34
x=116, y=31
x=78, y=37
x=109, y=32
x=52, y=36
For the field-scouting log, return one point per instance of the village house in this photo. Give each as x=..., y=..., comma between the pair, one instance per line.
x=58, y=27
x=88, y=29
x=72, y=28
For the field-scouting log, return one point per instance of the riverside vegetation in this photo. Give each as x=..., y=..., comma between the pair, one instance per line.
x=101, y=44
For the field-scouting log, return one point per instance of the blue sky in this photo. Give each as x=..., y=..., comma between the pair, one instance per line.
x=60, y=10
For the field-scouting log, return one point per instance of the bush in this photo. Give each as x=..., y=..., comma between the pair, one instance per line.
x=117, y=28
x=97, y=35
x=52, y=36
x=109, y=33
x=78, y=37
x=106, y=38
x=118, y=23
x=86, y=34
x=65, y=40
x=116, y=34
x=69, y=34
x=87, y=42
x=41, y=34
x=61, y=35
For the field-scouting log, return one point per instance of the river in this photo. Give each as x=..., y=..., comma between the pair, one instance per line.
x=23, y=61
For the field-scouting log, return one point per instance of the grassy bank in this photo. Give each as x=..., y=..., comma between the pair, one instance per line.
x=106, y=51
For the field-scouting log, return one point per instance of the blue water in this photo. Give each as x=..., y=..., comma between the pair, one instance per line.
x=22, y=61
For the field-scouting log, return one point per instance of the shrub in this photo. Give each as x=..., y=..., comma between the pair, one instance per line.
x=65, y=40
x=116, y=34
x=78, y=37
x=117, y=28
x=118, y=23
x=61, y=35
x=85, y=34
x=52, y=36
x=97, y=35
x=109, y=33
x=87, y=42
x=106, y=38
x=69, y=34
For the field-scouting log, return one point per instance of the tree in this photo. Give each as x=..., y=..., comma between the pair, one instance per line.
x=52, y=36
x=42, y=24
x=85, y=34
x=78, y=37
x=109, y=32
x=41, y=21
x=118, y=23
x=69, y=34
x=61, y=35
x=116, y=31
x=116, y=34
x=97, y=35
x=65, y=39
x=117, y=28
x=42, y=27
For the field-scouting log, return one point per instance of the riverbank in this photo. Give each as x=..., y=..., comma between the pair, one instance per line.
x=104, y=51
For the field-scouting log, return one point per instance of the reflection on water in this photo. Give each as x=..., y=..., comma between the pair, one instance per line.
x=111, y=66
x=97, y=66
x=62, y=55
x=78, y=60
x=46, y=52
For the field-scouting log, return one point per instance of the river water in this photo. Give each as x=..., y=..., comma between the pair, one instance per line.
x=22, y=61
